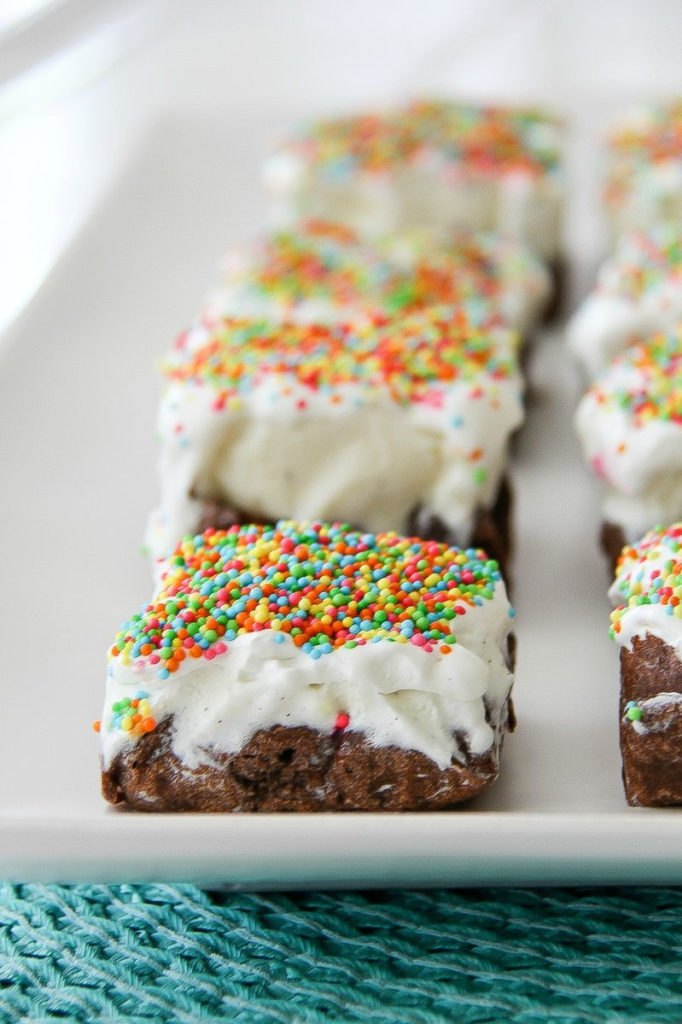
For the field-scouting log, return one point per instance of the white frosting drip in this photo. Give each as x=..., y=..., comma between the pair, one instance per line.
x=635, y=576
x=641, y=467
x=365, y=460
x=667, y=701
x=396, y=694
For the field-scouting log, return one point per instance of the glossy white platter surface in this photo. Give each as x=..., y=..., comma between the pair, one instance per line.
x=78, y=394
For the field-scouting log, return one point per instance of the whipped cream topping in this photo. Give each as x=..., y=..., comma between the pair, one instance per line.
x=433, y=163
x=361, y=423
x=630, y=426
x=647, y=589
x=638, y=292
x=401, y=640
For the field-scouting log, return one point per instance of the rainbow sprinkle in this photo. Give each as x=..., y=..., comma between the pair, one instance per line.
x=323, y=260
x=130, y=715
x=325, y=586
x=405, y=358
x=478, y=140
x=319, y=260
x=649, y=259
x=638, y=145
x=653, y=375
x=650, y=573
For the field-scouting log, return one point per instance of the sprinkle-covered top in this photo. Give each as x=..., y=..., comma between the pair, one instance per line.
x=649, y=574
x=326, y=264
x=646, y=140
x=645, y=382
x=406, y=358
x=647, y=260
x=316, y=260
x=324, y=585
x=651, y=138
x=479, y=139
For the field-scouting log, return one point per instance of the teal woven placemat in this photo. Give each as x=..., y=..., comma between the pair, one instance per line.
x=175, y=953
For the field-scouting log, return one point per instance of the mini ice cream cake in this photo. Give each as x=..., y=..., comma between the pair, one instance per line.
x=310, y=667
x=644, y=180
x=639, y=292
x=398, y=424
x=431, y=163
x=630, y=425
x=321, y=272
x=647, y=624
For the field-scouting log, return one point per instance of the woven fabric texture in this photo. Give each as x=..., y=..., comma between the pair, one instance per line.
x=175, y=953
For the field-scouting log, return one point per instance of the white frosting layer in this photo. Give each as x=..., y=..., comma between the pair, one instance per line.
x=615, y=314
x=635, y=576
x=365, y=460
x=522, y=206
x=640, y=466
x=395, y=694
x=648, y=618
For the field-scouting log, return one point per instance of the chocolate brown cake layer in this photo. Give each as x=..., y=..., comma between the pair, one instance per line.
x=558, y=272
x=612, y=541
x=652, y=746
x=294, y=769
x=492, y=529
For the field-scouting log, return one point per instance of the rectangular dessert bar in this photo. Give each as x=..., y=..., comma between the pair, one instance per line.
x=644, y=177
x=430, y=163
x=387, y=424
x=647, y=625
x=309, y=667
x=630, y=425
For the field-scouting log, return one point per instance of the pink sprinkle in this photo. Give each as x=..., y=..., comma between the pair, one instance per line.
x=209, y=653
x=154, y=659
x=220, y=648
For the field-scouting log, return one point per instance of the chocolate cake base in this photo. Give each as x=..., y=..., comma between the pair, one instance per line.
x=492, y=528
x=612, y=541
x=294, y=769
x=651, y=743
x=558, y=272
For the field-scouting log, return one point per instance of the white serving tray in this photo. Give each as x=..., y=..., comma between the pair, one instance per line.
x=78, y=394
